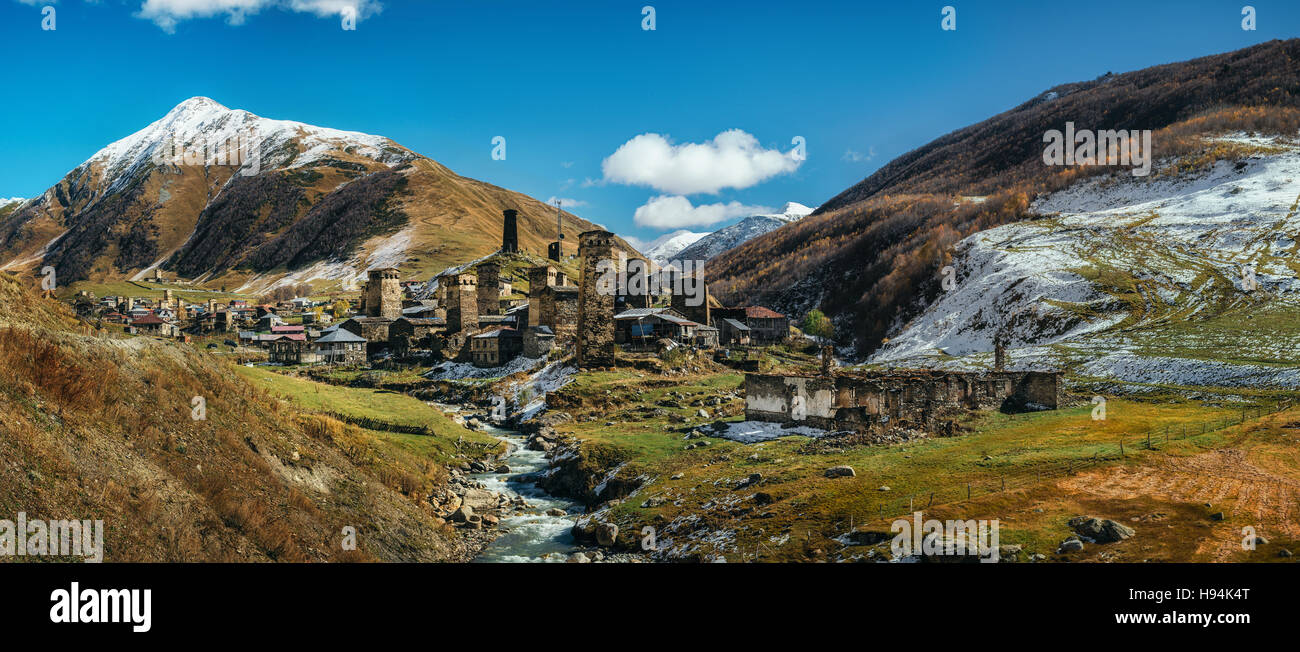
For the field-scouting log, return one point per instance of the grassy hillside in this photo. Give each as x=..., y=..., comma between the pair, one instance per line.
x=871, y=256
x=101, y=427
x=1031, y=471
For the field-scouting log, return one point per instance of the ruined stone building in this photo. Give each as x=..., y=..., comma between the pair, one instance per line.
x=595, y=336
x=877, y=401
x=552, y=302
x=538, y=341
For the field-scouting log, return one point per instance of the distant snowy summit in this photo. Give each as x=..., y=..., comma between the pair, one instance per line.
x=667, y=246
x=741, y=232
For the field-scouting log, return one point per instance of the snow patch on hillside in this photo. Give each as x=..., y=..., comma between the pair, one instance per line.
x=733, y=236
x=1177, y=246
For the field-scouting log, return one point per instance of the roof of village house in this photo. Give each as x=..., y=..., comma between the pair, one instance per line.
x=339, y=335
x=543, y=330
x=287, y=329
x=759, y=312
x=147, y=320
x=735, y=324
x=498, y=332
x=638, y=313
x=423, y=321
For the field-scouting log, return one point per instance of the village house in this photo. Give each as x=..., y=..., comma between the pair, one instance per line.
x=340, y=346
x=496, y=347
x=151, y=324
x=640, y=329
x=766, y=326
x=292, y=351
x=732, y=332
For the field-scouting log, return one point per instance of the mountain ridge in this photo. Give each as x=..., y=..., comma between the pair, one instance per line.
x=318, y=205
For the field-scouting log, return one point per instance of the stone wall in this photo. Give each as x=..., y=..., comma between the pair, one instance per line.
x=885, y=400
x=559, y=311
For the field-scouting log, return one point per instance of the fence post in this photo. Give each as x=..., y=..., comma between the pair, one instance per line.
x=1121, y=447
x=1004, y=483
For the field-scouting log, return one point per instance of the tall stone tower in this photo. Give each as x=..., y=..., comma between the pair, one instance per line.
x=489, y=289
x=693, y=289
x=510, y=232
x=637, y=283
x=595, y=309
x=462, y=302
x=382, y=294
x=539, y=278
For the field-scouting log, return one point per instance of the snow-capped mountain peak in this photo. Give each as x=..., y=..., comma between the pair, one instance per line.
x=200, y=123
x=737, y=234
x=666, y=247
x=795, y=210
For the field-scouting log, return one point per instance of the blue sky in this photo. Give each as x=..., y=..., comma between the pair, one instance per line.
x=568, y=83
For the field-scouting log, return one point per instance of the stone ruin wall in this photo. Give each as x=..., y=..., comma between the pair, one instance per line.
x=924, y=400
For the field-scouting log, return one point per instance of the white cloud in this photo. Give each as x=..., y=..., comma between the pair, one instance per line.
x=167, y=13
x=675, y=211
x=566, y=202
x=854, y=156
x=733, y=159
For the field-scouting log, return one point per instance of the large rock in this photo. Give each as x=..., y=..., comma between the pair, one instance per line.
x=840, y=472
x=1072, y=544
x=480, y=499
x=867, y=537
x=606, y=534
x=463, y=515
x=1101, y=530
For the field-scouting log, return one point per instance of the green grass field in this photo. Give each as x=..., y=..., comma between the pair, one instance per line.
x=383, y=405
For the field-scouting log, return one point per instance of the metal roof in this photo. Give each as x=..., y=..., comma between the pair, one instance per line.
x=339, y=336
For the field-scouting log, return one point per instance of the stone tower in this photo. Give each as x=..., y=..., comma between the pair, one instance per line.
x=637, y=283
x=595, y=309
x=510, y=232
x=462, y=302
x=489, y=289
x=382, y=294
x=539, y=278
x=1000, y=353
x=693, y=289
